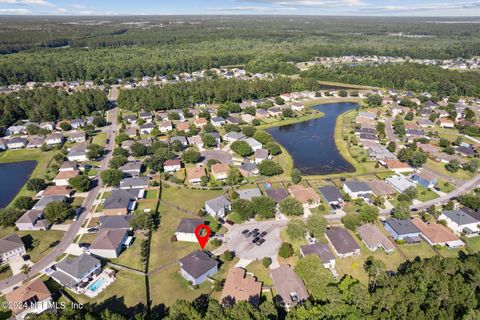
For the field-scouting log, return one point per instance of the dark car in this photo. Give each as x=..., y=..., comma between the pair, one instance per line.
x=245, y=231
x=255, y=230
x=260, y=242
x=263, y=234
x=249, y=234
x=256, y=240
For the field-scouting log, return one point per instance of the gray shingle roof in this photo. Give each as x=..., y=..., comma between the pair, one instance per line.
x=218, y=203
x=249, y=194
x=342, y=240
x=10, y=243
x=78, y=266
x=402, y=227
x=188, y=225
x=330, y=193
x=197, y=263
x=277, y=194
x=118, y=199
x=320, y=249
x=115, y=222
x=459, y=217
x=357, y=186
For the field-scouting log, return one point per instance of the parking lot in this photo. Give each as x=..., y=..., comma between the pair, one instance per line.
x=243, y=246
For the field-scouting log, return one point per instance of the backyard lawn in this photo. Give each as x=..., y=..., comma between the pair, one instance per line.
x=422, y=250
x=188, y=199
x=131, y=257
x=162, y=249
x=47, y=241
x=425, y=195
x=445, y=186
x=440, y=168
x=260, y=272
x=474, y=244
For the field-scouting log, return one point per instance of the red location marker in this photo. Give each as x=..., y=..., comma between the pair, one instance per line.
x=202, y=237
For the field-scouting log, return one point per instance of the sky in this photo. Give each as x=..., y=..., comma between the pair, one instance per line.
x=242, y=7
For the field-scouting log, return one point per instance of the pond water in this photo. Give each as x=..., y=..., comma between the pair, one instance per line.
x=311, y=143
x=13, y=176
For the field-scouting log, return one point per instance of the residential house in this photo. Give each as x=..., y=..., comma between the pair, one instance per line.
x=460, y=222
x=54, y=139
x=233, y=120
x=425, y=123
x=146, y=128
x=77, y=123
x=218, y=121
x=78, y=153
x=63, y=177
x=62, y=191
x=331, y=194
x=381, y=188
x=198, y=267
x=465, y=151
x=277, y=194
x=183, y=127
x=220, y=171
x=254, y=144
x=109, y=243
x=403, y=230
x=135, y=183
x=249, y=194
x=446, y=123
x=14, y=130
x=32, y=220
x=172, y=165
x=131, y=169
x=437, y=234
x=233, y=136
x=297, y=106
x=132, y=119
x=194, y=175
x=120, y=202
x=183, y=140
x=115, y=222
x=429, y=149
x=322, y=250
x=186, y=229
x=131, y=132
x=10, y=247
x=275, y=112
x=248, y=169
x=240, y=287
x=260, y=155
x=374, y=238
x=36, y=142
x=218, y=207
x=261, y=114
x=367, y=115
x=357, y=190
x=146, y=116
x=425, y=179
x=17, y=143
x=400, y=183
x=396, y=165
x=77, y=137
x=247, y=117
x=380, y=152
x=290, y=288
x=165, y=126
x=306, y=195
x=30, y=298
x=68, y=166
x=196, y=141
x=44, y=201
x=200, y=122
x=77, y=272
x=47, y=125
x=342, y=242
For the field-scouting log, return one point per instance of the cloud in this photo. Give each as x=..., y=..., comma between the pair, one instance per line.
x=308, y=3
x=78, y=6
x=423, y=7
x=14, y=11
x=28, y=2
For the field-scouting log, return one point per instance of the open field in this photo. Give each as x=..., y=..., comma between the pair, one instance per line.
x=47, y=241
x=132, y=257
x=440, y=168
x=189, y=199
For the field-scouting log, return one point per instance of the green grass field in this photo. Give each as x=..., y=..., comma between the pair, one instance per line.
x=188, y=199
x=260, y=272
x=440, y=167
x=131, y=257
x=47, y=241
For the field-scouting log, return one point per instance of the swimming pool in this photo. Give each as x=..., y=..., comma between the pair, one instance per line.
x=96, y=284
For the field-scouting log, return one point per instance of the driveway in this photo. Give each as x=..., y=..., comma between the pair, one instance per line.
x=245, y=249
x=16, y=263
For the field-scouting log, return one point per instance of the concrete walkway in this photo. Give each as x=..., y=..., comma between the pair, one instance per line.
x=243, y=263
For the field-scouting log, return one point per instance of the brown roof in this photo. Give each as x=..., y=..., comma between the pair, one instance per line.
x=380, y=187
x=428, y=148
x=240, y=288
x=396, y=164
x=435, y=232
x=220, y=168
x=182, y=126
x=201, y=121
x=195, y=173
x=172, y=162
x=57, y=191
x=35, y=291
x=303, y=194
x=108, y=239
x=287, y=282
x=374, y=238
x=65, y=175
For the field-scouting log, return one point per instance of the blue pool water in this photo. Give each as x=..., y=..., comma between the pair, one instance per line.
x=96, y=284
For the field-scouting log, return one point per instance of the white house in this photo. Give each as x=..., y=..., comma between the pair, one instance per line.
x=11, y=246
x=54, y=139
x=461, y=222
x=172, y=165
x=197, y=267
x=357, y=189
x=186, y=229
x=254, y=144
x=218, y=207
x=17, y=143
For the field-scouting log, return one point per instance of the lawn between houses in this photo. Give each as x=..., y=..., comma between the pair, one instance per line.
x=41, y=170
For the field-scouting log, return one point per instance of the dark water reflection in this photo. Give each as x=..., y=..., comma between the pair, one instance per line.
x=311, y=143
x=12, y=178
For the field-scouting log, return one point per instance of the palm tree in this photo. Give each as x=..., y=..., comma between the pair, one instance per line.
x=26, y=270
x=35, y=242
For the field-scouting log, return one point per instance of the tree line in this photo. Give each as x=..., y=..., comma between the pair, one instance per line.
x=49, y=104
x=185, y=94
x=408, y=76
x=435, y=288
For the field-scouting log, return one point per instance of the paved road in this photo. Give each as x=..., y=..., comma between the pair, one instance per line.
x=71, y=233
x=389, y=130
x=466, y=187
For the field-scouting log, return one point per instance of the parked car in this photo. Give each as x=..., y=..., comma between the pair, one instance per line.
x=263, y=234
x=245, y=231
x=260, y=242
x=255, y=240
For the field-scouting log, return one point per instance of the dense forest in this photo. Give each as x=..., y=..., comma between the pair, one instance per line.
x=185, y=94
x=407, y=76
x=436, y=288
x=53, y=48
x=48, y=104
